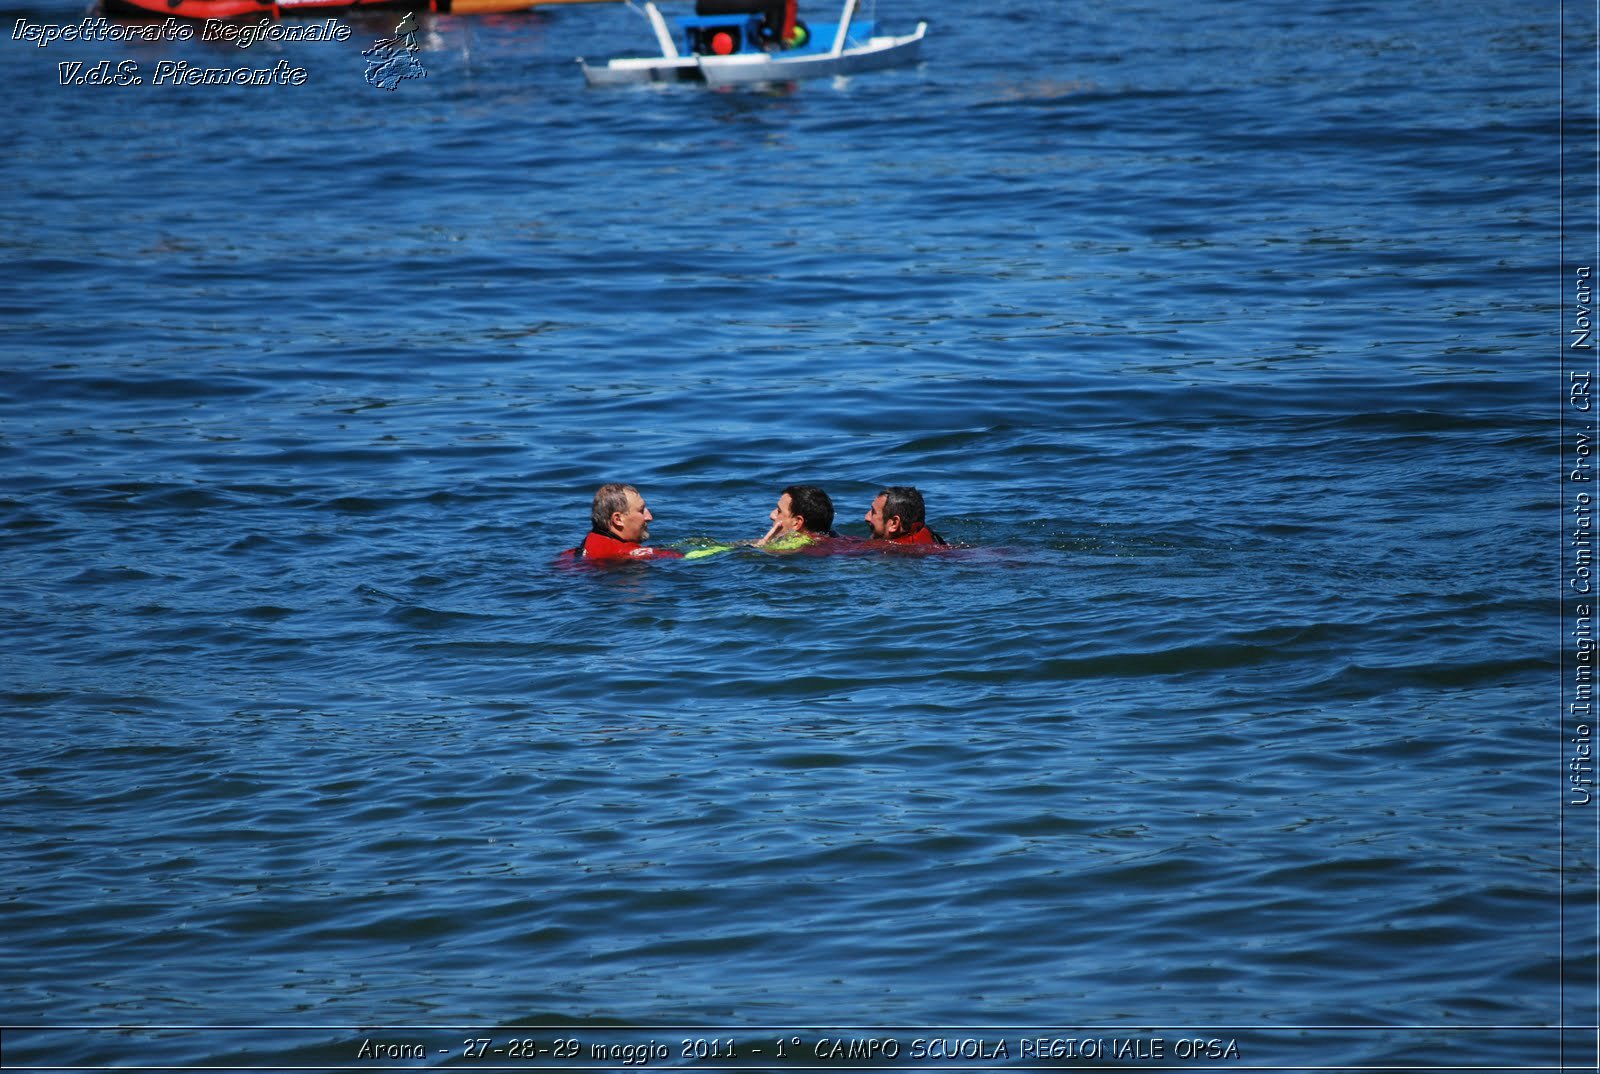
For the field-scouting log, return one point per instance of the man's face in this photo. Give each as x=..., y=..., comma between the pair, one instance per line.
x=880, y=528
x=783, y=515
x=634, y=523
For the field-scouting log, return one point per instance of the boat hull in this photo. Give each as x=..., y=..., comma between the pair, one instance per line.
x=744, y=68
x=188, y=9
x=236, y=9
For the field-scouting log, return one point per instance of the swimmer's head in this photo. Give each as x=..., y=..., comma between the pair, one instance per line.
x=896, y=510
x=803, y=507
x=620, y=511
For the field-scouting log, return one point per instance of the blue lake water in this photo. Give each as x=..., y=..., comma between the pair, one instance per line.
x=1220, y=334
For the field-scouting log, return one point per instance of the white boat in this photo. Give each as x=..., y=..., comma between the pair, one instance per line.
x=738, y=42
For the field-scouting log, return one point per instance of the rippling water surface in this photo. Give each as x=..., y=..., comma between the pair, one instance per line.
x=1211, y=333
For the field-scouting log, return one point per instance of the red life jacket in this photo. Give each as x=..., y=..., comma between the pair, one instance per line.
x=598, y=546
x=921, y=535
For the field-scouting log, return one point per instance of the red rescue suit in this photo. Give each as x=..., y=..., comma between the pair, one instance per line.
x=921, y=535
x=598, y=546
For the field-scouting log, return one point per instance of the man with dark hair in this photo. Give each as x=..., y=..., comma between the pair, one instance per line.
x=897, y=514
x=804, y=515
x=620, y=524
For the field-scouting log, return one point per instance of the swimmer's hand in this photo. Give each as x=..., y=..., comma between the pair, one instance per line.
x=775, y=531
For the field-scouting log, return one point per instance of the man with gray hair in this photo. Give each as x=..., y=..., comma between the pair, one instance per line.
x=619, y=526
